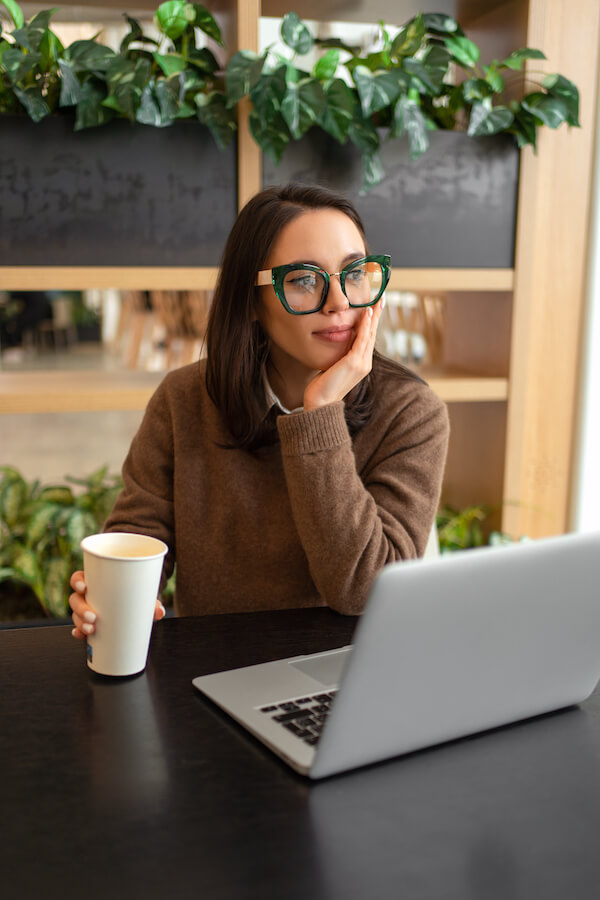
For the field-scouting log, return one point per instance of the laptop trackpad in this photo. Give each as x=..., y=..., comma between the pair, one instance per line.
x=326, y=667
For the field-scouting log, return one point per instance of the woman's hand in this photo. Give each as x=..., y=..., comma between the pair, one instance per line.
x=334, y=383
x=84, y=617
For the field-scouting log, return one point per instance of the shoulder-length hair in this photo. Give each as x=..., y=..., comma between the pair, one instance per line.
x=237, y=346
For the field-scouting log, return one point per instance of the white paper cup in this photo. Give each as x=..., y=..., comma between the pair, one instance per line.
x=122, y=574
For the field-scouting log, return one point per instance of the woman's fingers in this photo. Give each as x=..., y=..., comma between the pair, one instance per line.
x=84, y=617
x=159, y=611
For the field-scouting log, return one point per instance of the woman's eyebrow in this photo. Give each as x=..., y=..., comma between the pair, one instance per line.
x=350, y=257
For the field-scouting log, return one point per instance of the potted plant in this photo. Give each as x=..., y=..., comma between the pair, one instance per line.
x=447, y=147
x=111, y=195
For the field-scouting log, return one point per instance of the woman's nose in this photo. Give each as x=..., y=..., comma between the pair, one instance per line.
x=336, y=299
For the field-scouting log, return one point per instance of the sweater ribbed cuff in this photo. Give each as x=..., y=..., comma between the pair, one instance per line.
x=314, y=430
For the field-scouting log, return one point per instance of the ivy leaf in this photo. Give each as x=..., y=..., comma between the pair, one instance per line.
x=409, y=39
x=295, y=34
x=243, y=71
x=339, y=110
x=15, y=12
x=302, y=105
x=525, y=128
x=18, y=64
x=549, y=110
x=440, y=23
x=409, y=118
x=90, y=109
x=376, y=91
x=488, y=119
x=373, y=172
x=134, y=35
x=560, y=87
x=271, y=136
x=337, y=43
x=475, y=89
x=462, y=50
x=326, y=67
x=268, y=93
x=364, y=135
x=207, y=23
x=517, y=58
x=51, y=49
x=203, y=59
x=173, y=17
x=70, y=88
x=88, y=56
x=494, y=79
x=217, y=116
x=431, y=78
x=170, y=63
x=30, y=35
x=159, y=104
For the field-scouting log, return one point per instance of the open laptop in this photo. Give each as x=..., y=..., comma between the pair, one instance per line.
x=446, y=648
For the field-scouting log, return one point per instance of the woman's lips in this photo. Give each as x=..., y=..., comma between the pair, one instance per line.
x=335, y=334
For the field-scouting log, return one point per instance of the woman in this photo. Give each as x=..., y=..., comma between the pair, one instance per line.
x=292, y=465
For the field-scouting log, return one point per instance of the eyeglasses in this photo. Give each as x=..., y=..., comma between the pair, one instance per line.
x=302, y=288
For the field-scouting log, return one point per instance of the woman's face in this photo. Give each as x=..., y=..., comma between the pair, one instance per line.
x=303, y=345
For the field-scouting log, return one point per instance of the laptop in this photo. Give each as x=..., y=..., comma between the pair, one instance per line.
x=446, y=648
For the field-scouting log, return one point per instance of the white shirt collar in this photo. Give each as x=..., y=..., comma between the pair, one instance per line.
x=273, y=399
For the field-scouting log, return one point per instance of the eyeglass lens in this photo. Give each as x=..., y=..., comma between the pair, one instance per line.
x=304, y=289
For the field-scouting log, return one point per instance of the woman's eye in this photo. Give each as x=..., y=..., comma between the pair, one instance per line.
x=356, y=275
x=303, y=282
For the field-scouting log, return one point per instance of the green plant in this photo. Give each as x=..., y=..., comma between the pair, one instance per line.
x=462, y=529
x=41, y=528
x=403, y=86
x=148, y=81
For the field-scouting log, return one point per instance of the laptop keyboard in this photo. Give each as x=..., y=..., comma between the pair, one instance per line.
x=304, y=716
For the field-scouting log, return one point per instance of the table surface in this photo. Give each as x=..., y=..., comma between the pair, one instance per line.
x=141, y=788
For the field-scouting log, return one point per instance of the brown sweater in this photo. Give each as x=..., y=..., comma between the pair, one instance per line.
x=308, y=521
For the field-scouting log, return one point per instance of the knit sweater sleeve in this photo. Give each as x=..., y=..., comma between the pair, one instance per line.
x=146, y=504
x=351, y=523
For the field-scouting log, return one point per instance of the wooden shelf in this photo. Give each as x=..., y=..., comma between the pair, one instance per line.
x=82, y=391
x=79, y=278
x=75, y=391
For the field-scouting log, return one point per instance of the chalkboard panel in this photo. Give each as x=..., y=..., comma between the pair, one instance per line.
x=117, y=195
x=454, y=207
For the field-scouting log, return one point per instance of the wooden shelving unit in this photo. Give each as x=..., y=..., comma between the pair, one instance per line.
x=511, y=367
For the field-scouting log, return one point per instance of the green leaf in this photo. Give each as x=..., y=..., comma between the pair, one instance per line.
x=494, y=79
x=439, y=23
x=325, y=43
x=475, y=89
x=551, y=111
x=170, y=63
x=38, y=523
x=51, y=49
x=217, y=116
x=272, y=136
x=206, y=23
x=364, y=135
x=409, y=118
x=173, y=17
x=90, y=109
x=167, y=92
x=339, y=110
x=31, y=34
x=376, y=91
x=70, y=88
x=409, y=39
x=488, y=119
x=243, y=71
x=203, y=59
x=15, y=12
x=430, y=78
x=372, y=172
x=517, y=58
x=88, y=56
x=18, y=64
x=326, y=67
x=79, y=525
x=525, y=128
x=302, y=105
x=268, y=93
x=295, y=34
x=56, y=580
x=27, y=567
x=462, y=50
x=565, y=90
x=134, y=34
x=33, y=101
x=13, y=492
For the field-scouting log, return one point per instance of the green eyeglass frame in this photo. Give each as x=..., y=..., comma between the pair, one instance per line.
x=276, y=277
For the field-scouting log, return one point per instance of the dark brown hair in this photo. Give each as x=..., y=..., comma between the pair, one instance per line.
x=237, y=346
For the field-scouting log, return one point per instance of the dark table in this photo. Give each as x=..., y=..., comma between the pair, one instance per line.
x=140, y=788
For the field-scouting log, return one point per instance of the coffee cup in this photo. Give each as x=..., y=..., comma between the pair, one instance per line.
x=122, y=574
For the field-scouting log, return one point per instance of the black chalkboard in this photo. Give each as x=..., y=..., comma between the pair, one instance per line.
x=119, y=195
x=454, y=207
